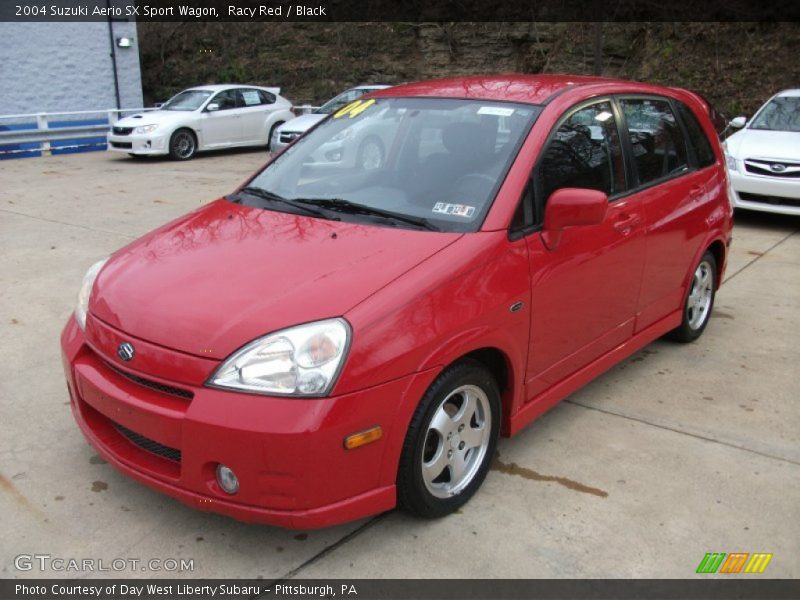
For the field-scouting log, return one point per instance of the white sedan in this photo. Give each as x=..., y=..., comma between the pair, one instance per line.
x=292, y=130
x=764, y=157
x=208, y=117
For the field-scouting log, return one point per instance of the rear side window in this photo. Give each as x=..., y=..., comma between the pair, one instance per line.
x=659, y=149
x=697, y=137
x=585, y=152
x=266, y=97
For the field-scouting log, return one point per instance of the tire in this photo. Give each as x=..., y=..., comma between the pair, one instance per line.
x=435, y=444
x=370, y=154
x=699, y=301
x=271, y=133
x=182, y=144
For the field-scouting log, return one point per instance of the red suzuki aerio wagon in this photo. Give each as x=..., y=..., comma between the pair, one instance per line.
x=431, y=267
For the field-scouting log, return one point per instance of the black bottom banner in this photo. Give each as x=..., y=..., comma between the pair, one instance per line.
x=402, y=589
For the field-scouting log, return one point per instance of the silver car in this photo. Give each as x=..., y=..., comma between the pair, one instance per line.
x=294, y=128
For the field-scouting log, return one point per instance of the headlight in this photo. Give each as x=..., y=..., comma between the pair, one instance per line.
x=731, y=162
x=86, y=290
x=299, y=361
x=342, y=135
x=145, y=129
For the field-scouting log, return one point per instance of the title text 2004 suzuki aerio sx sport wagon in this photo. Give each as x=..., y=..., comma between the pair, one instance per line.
x=338, y=337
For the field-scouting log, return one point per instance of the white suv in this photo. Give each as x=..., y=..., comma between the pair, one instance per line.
x=764, y=157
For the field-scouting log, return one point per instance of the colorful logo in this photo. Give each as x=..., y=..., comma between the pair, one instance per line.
x=736, y=562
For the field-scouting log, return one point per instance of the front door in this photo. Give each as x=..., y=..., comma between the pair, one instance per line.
x=223, y=127
x=585, y=291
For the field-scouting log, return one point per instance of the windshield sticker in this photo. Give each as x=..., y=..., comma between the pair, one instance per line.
x=457, y=210
x=354, y=108
x=496, y=111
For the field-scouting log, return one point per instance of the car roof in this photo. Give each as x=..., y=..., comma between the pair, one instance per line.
x=366, y=86
x=787, y=93
x=225, y=86
x=530, y=89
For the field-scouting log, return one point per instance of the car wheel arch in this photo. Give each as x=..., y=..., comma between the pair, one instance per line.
x=717, y=248
x=497, y=358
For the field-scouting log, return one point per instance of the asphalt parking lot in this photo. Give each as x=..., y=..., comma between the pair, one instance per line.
x=678, y=451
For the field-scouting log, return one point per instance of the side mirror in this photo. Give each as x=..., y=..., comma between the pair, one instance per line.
x=571, y=207
x=738, y=122
x=212, y=107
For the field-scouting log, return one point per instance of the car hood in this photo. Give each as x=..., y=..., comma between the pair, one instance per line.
x=302, y=123
x=756, y=143
x=152, y=117
x=226, y=274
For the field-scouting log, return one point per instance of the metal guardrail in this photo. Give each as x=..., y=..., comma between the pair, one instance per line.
x=304, y=109
x=44, y=134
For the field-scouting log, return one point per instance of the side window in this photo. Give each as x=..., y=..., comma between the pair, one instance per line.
x=226, y=99
x=266, y=97
x=658, y=146
x=585, y=152
x=697, y=137
x=250, y=97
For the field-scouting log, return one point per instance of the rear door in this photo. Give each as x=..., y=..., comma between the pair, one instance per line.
x=585, y=291
x=674, y=187
x=255, y=110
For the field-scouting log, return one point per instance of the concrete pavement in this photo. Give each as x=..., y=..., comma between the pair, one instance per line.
x=679, y=451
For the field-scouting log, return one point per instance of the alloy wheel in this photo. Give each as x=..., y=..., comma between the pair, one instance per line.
x=456, y=441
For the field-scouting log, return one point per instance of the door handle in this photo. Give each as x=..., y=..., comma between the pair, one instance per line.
x=626, y=223
x=695, y=192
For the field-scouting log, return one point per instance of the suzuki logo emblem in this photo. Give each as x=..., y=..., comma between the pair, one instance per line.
x=126, y=351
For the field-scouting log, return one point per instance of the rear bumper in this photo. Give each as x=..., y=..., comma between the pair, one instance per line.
x=767, y=194
x=287, y=453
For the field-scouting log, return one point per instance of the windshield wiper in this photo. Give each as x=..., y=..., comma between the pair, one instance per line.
x=345, y=206
x=273, y=197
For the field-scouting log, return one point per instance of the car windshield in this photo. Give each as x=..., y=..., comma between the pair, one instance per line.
x=433, y=162
x=188, y=100
x=779, y=114
x=339, y=101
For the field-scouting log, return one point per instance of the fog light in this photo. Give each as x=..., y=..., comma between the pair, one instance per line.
x=227, y=479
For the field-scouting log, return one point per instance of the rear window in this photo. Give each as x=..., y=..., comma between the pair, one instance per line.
x=697, y=137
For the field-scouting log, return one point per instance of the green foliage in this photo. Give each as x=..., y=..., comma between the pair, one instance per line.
x=735, y=65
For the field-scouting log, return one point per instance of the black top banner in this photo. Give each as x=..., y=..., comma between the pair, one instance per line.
x=403, y=589
x=397, y=10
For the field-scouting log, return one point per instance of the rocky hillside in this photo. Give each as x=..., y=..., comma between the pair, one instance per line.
x=735, y=65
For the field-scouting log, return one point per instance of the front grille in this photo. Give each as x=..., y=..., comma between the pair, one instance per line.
x=122, y=130
x=122, y=145
x=772, y=168
x=774, y=200
x=149, y=445
x=154, y=385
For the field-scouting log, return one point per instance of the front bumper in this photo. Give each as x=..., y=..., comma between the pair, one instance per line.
x=288, y=454
x=764, y=193
x=144, y=144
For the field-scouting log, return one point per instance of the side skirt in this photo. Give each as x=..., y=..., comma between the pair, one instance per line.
x=549, y=398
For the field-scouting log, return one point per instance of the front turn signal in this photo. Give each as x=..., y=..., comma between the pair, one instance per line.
x=362, y=438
